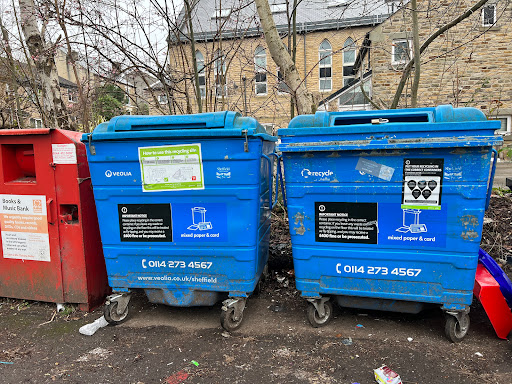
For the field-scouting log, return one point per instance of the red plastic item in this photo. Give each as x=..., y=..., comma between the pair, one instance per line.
x=487, y=290
x=50, y=247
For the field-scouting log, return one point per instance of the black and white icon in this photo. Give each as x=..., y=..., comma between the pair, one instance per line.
x=411, y=222
x=422, y=183
x=432, y=184
x=199, y=220
x=422, y=191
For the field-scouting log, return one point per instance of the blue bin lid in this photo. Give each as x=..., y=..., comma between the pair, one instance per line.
x=200, y=125
x=442, y=126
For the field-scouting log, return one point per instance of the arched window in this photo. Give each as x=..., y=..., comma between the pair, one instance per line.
x=325, y=66
x=349, y=58
x=201, y=73
x=260, y=67
x=219, y=66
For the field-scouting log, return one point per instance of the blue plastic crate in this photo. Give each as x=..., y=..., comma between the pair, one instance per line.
x=184, y=207
x=386, y=207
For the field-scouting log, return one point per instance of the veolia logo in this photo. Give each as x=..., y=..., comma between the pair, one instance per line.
x=306, y=173
x=109, y=173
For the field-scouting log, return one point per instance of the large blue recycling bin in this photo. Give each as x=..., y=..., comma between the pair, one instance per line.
x=184, y=207
x=386, y=207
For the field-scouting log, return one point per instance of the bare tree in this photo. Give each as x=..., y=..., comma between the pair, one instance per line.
x=18, y=116
x=43, y=56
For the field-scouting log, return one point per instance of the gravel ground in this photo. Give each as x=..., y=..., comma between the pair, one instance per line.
x=276, y=344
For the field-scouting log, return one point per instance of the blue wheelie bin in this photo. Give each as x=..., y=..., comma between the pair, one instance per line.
x=386, y=208
x=184, y=208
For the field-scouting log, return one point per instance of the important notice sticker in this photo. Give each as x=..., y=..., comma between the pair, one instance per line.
x=422, y=185
x=171, y=168
x=145, y=222
x=346, y=222
x=64, y=153
x=24, y=227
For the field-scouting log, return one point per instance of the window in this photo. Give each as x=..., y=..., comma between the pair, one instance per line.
x=505, y=123
x=72, y=96
x=200, y=73
x=34, y=96
x=325, y=66
x=401, y=51
x=282, y=87
x=260, y=67
x=36, y=123
x=489, y=15
x=352, y=99
x=162, y=99
x=349, y=58
x=219, y=67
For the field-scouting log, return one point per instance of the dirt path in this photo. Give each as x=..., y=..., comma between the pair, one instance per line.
x=159, y=344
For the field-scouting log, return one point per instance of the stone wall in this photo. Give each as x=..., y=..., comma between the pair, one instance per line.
x=469, y=65
x=274, y=107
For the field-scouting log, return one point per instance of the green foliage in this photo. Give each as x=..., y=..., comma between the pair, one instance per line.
x=107, y=106
x=507, y=151
x=114, y=91
x=500, y=191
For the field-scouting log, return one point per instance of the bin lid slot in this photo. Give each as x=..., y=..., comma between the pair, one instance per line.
x=212, y=120
x=144, y=127
x=382, y=119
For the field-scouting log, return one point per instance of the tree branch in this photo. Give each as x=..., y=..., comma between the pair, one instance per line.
x=440, y=31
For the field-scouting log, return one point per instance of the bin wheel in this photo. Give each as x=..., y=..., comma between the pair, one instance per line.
x=111, y=315
x=454, y=329
x=227, y=320
x=315, y=319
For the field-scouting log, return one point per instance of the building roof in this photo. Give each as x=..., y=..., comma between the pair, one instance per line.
x=66, y=83
x=237, y=18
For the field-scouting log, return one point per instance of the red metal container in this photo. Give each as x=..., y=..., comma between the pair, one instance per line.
x=50, y=241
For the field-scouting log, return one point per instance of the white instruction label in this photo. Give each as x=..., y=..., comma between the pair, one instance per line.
x=24, y=227
x=64, y=153
x=171, y=168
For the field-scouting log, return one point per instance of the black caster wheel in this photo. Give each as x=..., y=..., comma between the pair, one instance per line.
x=111, y=315
x=454, y=329
x=227, y=320
x=315, y=319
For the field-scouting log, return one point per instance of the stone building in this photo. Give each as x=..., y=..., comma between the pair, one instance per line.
x=464, y=66
x=235, y=69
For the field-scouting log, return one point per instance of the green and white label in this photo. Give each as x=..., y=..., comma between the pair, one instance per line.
x=171, y=168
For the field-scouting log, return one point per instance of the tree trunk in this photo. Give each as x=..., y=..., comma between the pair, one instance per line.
x=416, y=53
x=44, y=61
x=188, y=11
x=13, y=84
x=304, y=99
x=69, y=56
